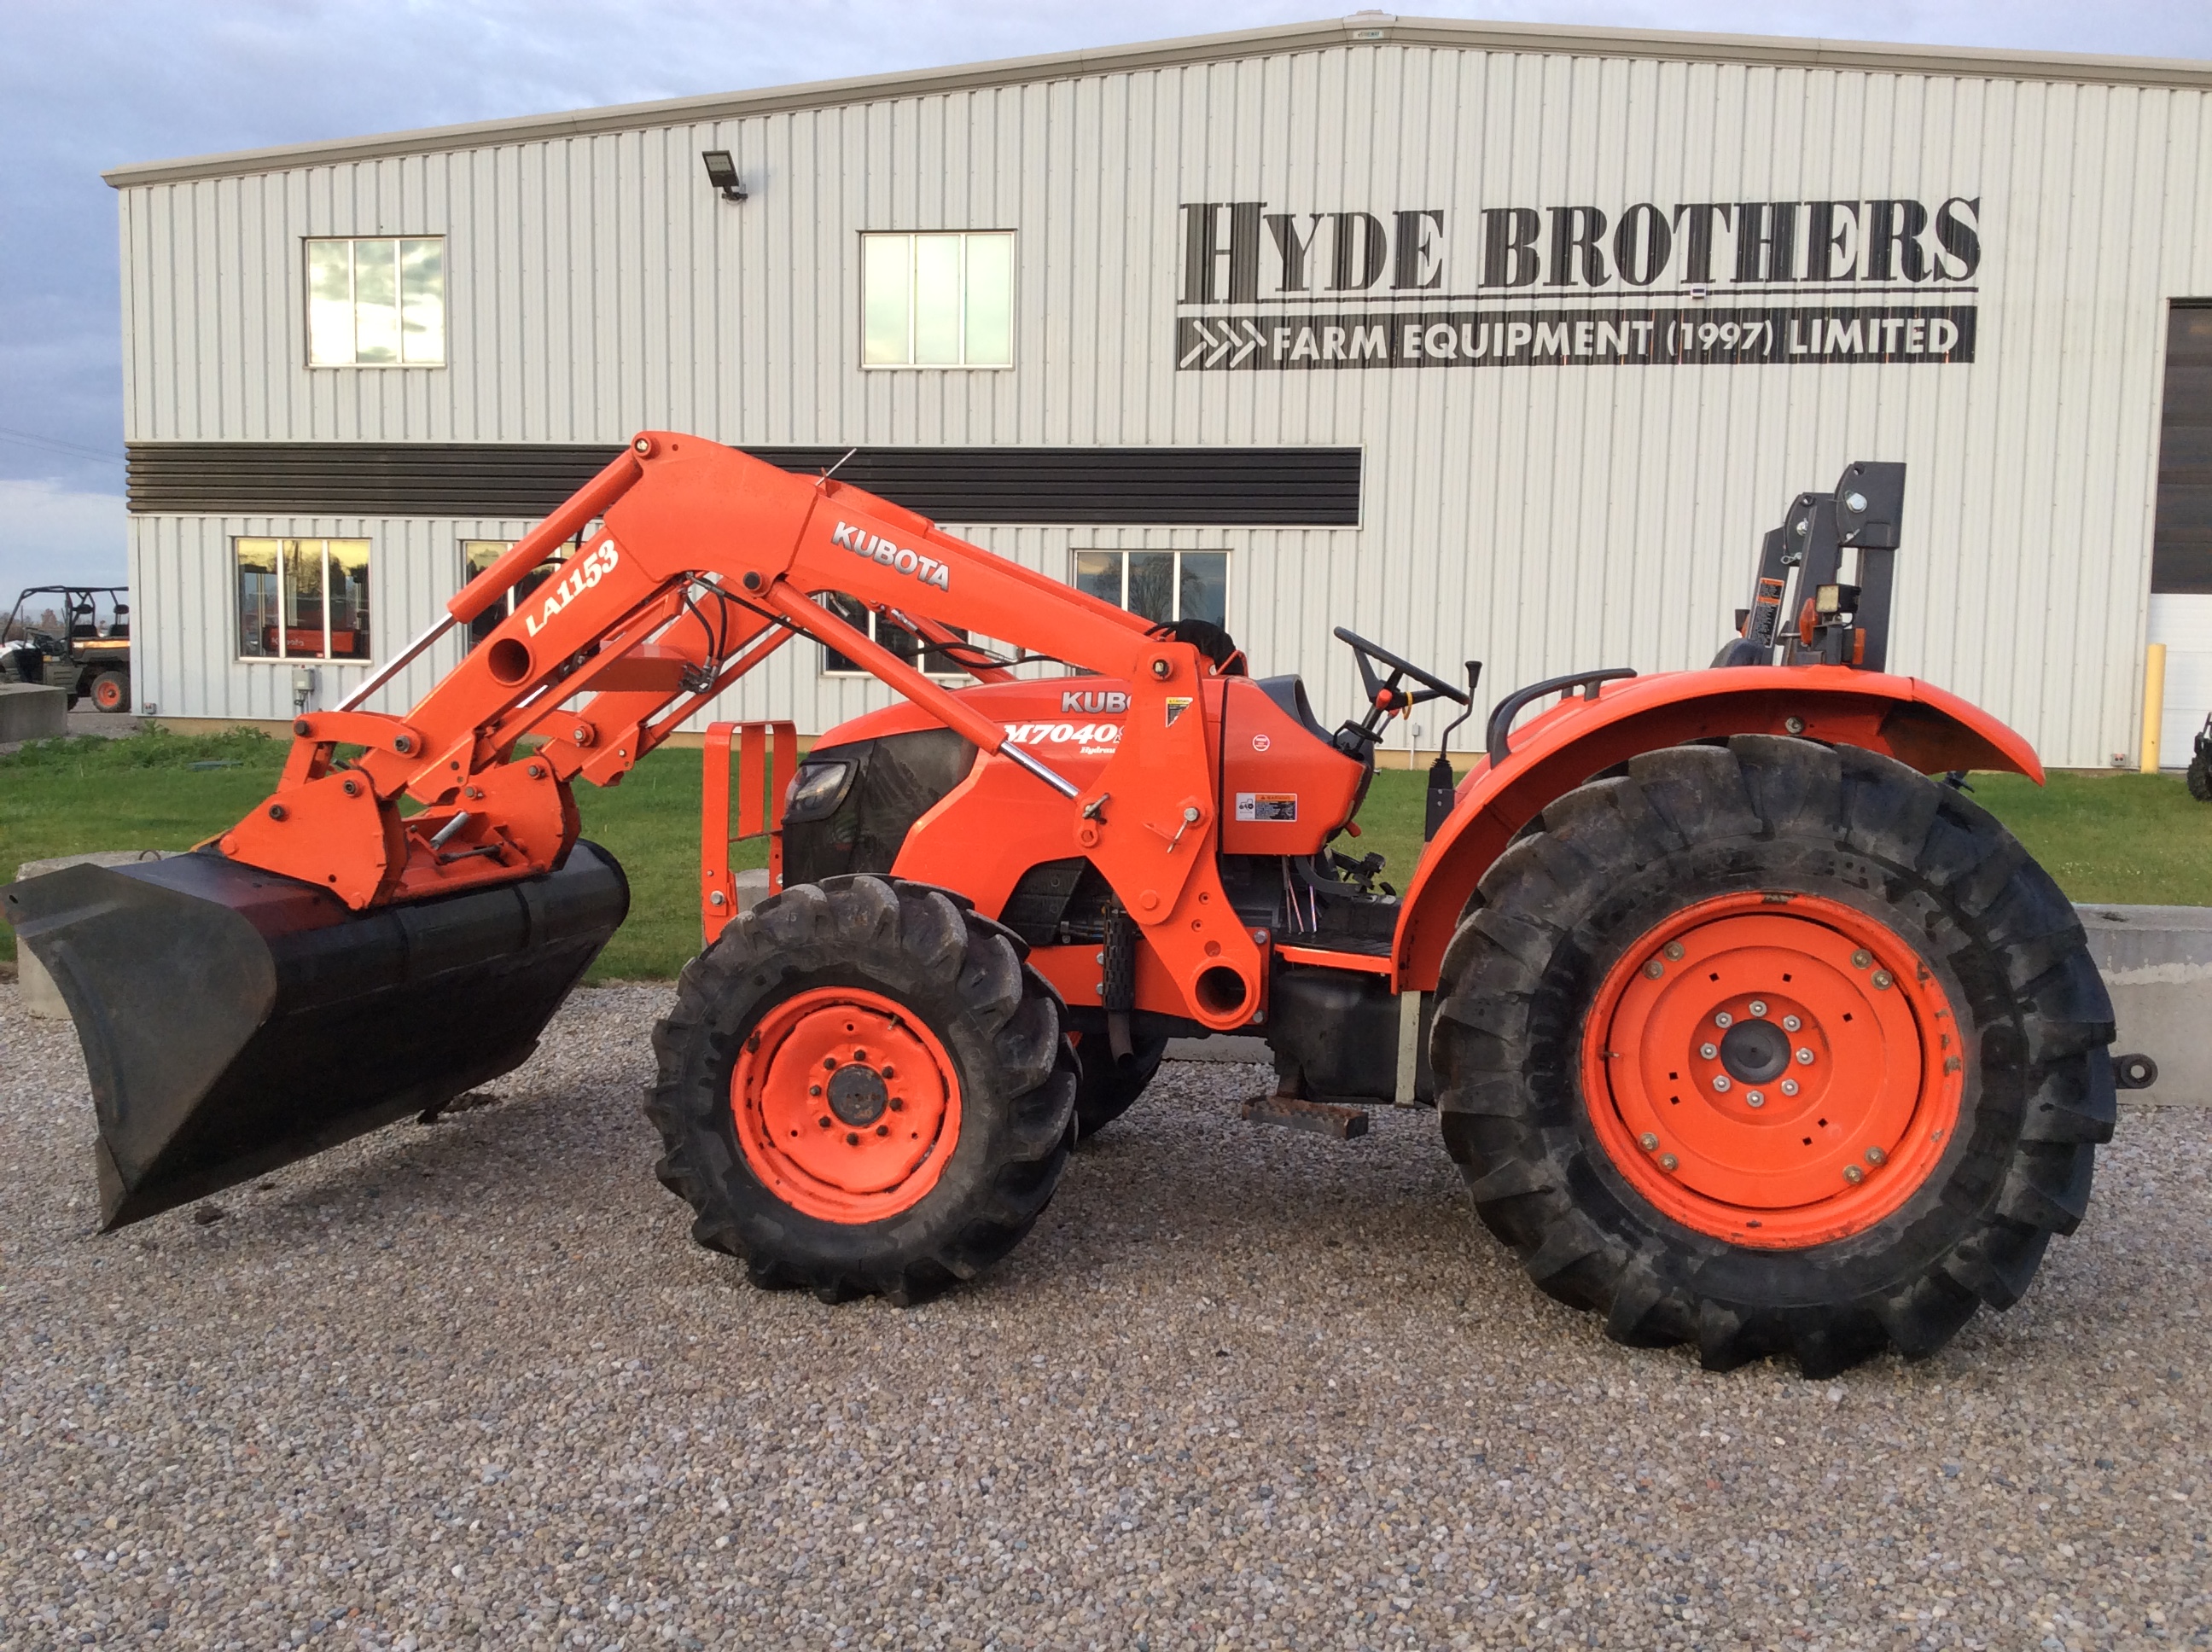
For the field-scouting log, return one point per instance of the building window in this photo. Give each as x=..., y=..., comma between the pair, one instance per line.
x=378, y=303
x=884, y=634
x=1161, y=584
x=303, y=599
x=477, y=555
x=938, y=301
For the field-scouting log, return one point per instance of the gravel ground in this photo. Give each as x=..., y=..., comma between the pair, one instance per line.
x=470, y=1384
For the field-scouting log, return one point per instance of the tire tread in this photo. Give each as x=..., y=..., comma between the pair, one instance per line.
x=1503, y=1041
x=1022, y=1106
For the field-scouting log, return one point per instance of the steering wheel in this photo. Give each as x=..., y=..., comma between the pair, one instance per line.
x=1366, y=652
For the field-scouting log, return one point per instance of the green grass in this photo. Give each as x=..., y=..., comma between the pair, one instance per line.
x=2129, y=838
x=67, y=797
x=70, y=797
x=1389, y=823
x=651, y=824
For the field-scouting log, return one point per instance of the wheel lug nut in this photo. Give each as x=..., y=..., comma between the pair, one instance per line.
x=1654, y=970
x=830, y=1061
x=1804, y=1055
x=1723, y=1020
x=898, y=1104
x=1673, y=951
x=888, y=1072
x=825, y=1121
x=1790, y=1023
x=852, y=1138
x=1861, y=958
x=1709, y=1051
x=1875, y=1156
x=814, y=1090
x=1853, y=1174
x=1881, y=979
x=1758, y=1006
x=1788, y=1086
x=1667, y=1161
x=1647, y=1141
x=860, y=1055
x=1754, y=1098
x=883, y=1130
x=1720, y=1081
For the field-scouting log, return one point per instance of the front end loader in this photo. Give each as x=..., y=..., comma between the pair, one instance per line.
x=1748, y=1029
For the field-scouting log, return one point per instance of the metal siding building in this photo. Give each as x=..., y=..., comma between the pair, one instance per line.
x=1539, y=513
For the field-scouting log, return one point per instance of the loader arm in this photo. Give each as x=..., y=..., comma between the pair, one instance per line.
x=706, y=561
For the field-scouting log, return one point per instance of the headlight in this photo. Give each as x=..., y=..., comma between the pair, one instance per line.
x=817, y=790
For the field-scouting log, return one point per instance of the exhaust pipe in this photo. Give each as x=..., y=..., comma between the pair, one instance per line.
x=234, y=1020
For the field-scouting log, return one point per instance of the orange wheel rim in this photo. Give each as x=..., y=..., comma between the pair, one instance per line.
x=1775, y=1070
x=847, y=1107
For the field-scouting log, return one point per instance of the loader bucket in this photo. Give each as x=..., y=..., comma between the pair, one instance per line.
x=234, y=1020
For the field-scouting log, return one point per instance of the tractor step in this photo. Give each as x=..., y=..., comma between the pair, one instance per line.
x=1294, y=1113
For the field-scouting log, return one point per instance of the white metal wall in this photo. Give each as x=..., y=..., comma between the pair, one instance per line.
x=1539, y=519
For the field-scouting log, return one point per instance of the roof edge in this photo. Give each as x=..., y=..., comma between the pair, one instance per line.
x=1362, y=29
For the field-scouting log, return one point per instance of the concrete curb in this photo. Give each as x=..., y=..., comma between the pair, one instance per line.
x=32, y=711
x=2157, y=964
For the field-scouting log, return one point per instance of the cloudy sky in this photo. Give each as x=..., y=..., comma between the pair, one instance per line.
x=90, y=84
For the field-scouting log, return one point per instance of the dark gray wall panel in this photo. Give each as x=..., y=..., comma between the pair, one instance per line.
x=2181, y=544
x=1271, y=486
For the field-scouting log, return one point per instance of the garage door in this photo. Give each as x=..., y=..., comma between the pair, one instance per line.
x=2181, y=548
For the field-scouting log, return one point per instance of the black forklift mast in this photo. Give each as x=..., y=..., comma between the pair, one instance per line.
x=1825, y=621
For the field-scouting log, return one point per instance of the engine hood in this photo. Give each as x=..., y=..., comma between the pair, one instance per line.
x=1284, y=789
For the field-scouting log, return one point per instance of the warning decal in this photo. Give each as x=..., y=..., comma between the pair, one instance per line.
x=1267, y=805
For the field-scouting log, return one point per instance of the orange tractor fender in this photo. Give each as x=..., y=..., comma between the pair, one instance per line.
x=1595, y=727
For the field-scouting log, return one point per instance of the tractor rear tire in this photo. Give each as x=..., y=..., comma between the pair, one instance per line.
x=111, y=691
x=1110, y=1088
x=788, y=1148
x=1775, y=1048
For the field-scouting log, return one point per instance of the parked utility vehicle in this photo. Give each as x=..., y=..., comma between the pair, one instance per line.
x=85, y=649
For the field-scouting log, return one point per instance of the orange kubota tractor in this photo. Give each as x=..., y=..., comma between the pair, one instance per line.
x=1746, y=1031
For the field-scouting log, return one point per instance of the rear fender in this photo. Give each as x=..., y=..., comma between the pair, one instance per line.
x=1901, y=717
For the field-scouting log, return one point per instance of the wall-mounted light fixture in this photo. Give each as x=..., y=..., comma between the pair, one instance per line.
x=722, y=174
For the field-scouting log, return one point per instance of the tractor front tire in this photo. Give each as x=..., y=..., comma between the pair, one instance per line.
x=863, y=1089
x=1110, y=1088
x=1774, y=1048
